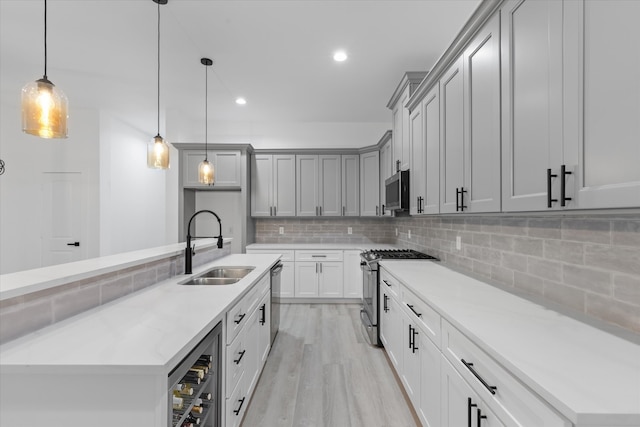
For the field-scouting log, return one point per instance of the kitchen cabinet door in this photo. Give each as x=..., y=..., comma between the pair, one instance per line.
x=428, y=408
x=264, y=330
x=330, y=185
x=352, y=275
x=252, y=355
x=307, y=185
x=397, y=120
x=386, y=170
x=451, y=136
x=411, y=360
x=369, y=182
x=532, y=120
x=287, y=280
x=482, y=120
x=417, y=162
x=306, y=284
x=262, y=185
x=391, y=331
x=284, y=185
x=330, y=280
x=431, y=111
x=350, y=185
x=602, y=109
x=226, y=164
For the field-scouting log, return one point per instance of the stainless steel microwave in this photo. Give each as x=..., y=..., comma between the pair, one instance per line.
x=397, y=191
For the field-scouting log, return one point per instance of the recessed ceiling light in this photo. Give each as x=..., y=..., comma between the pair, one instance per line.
x=241, y=101
x=340, y=56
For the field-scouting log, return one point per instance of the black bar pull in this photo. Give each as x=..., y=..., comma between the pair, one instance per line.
x=414, y=312
x=480, y=417
x=413, y=347
x=410, y=337
x=237, y=411
x=386, y=307
x=386, y=283
x=457, y=199
x=382, y=210
x=264, y=314
x=73, y=244
x=462, y=193
x=241, y=354
x=549, y=199
x=239, y=319
x=563, y=185
x=469, y=406
x=492, y=389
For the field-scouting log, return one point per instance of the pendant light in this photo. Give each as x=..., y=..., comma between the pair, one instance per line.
x=206, y=174
x=44, y=106
x=157, y=148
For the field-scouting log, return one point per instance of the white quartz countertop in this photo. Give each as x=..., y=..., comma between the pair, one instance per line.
x=589, y=375
x=319, y=246
x=149, y=331
x=24, y=282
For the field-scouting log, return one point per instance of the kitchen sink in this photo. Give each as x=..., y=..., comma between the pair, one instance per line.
x=220, y=276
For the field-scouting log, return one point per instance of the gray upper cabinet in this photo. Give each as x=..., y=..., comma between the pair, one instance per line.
x=451, y=137
x=369, y=183
x=602, y=105
x=431, y=131
x=386, y=169
x=417, y=181
x=532, y=122
x=227, y=168
x=481, y=192
x=350, y=185
x=319, y=190
x=273, y=185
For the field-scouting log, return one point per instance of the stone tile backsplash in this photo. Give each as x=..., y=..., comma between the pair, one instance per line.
x=589, y=265
x=22, y=315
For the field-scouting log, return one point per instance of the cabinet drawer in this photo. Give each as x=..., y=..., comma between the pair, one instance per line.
x=509, y=399
x=425, y=317
x=237, y=404
x=238, y=316
x=318, y=256
x=237, y=356
x=286, y=255
x=390, y=283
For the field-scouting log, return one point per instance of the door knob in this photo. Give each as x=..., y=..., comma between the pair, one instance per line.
x=73, y=244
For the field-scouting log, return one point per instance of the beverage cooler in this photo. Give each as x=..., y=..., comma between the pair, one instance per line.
x=195, y=385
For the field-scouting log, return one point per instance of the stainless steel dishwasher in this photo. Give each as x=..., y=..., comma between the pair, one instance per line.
x=276, y=270
x=195, y=385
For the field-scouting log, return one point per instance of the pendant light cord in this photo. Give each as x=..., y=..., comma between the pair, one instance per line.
x=45, y=39
x=158, y=69
x=206, y=111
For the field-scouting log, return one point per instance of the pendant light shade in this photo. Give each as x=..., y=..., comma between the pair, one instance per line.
x=158, y=148
x=206, y=173
x=44, y=106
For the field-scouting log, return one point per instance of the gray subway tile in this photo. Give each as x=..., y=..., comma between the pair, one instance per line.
x=587, y=230
x=528, y=283
x=25, y=318
x=488, y=255
x=627, y=289
x=622, y=259
x=566, y=296
x=545, y=228
x=115, y=289
x=514, y=262
x=587, y=278
x=571, y=252
x=613, y=311
x=74, y=302
x=528, y=246
x=626, y=233
x=517, y=226
x=546, y=269
x=502, y=275
x=491, y=224
x=503, y=243
x=481, y=239
x=146, y=278
x=482, y=269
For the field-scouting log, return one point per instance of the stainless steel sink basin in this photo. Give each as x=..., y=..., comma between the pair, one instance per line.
x=220, y=276
x=228, y=272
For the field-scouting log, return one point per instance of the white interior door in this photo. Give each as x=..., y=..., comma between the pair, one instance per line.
x=62, y=228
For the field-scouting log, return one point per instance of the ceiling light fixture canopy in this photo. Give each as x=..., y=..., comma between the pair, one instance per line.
x=158, y=148
x=340, y=56
x=206, y=173
x=44, y=106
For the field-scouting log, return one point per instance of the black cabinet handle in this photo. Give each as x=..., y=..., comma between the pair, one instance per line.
x=413, y=347
x=386, y=283
x=410, y=337
x=480, y=417
x=237, y=361
x=469, y=406
x=237, y=411
x=386, y=308
x=382, y=210
x=239, y=319
x=414, y=312
x=550, y=200
x=563, y=187
x=263, y=317
x=460, y=206
x=492, y=389
x=73, y=244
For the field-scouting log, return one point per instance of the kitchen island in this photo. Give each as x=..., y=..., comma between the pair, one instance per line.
x=109, y=365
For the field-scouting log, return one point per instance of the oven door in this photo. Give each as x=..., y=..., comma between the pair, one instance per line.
x=369, y=312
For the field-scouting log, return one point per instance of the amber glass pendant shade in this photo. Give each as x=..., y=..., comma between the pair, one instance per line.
x=206, y=174
x=158, y=153
x=44, y=110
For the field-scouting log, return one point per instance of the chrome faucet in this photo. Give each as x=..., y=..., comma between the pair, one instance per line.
x=189, y=251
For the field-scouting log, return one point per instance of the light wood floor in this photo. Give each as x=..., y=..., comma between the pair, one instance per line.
x=321, y=372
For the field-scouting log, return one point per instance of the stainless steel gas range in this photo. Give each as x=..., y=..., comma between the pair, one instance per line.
x=369, y=314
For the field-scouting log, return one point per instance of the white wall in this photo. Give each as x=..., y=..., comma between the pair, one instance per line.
x=27, y=157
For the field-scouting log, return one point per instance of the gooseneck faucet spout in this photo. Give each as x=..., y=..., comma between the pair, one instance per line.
x=188, y=252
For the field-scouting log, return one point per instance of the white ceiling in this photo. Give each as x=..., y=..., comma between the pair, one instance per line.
x=277, y=54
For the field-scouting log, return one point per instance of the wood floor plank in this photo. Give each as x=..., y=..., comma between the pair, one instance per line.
x=322, y=372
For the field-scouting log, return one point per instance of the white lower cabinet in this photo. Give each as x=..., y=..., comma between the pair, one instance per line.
x=411, y=360
x=319, y=274
x=248, y=344
x=352, y=275
x=429, y=404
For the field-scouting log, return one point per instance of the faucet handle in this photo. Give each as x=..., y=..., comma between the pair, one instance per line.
x=193, y=249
